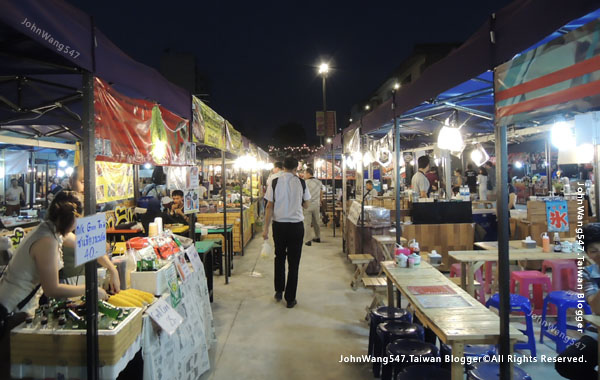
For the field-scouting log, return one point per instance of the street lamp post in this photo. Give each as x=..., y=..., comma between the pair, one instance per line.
x=323, y=71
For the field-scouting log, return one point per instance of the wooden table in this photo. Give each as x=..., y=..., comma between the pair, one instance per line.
x=594, y=320
x=456, y=326
x=205, y=249
x=471, y=261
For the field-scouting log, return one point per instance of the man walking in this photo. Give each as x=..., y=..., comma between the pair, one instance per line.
x=311, y=214
x=286, y=196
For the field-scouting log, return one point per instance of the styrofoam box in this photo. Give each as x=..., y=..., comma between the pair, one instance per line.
x=154, y=282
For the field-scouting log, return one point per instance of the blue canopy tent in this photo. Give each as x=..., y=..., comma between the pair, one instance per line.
x=51, y=52
x=416, y=111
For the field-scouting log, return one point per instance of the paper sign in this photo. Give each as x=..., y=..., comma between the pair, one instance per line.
x=557, y=216
x=174, y=289
x=182, y=267
x=90, y=233
x=192, y=178
x=165, y=316
x=440, y=289
x=191, y=201
x=192, y=254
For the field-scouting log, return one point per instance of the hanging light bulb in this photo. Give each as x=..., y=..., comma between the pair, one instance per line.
x=562, y=136
x=450, y=138
x=479, y=156
x=518, y=164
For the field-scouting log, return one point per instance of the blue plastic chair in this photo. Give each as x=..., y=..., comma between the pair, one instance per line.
x=564, y=300
x=407, y=347
x=522, y=304
x=388, y=332
x=491, y=371
x=424, y=372
x=384, y=314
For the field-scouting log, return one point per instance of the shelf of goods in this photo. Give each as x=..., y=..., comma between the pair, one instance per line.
x=233, y=217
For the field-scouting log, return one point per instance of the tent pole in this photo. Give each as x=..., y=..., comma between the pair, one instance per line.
x=242, y=210
x=332, y=187
x=344, y=195
x=503, y=260
x=225, y=235
x=548, y=151
x=91, y=275
x=397, y=169
x=136, y=183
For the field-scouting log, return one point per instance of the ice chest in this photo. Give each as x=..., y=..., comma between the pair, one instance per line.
x=67, y=348
x=154, y=282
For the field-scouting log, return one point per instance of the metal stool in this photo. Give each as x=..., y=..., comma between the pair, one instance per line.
x=408, y=348
x=391, y=331
x=384, y=314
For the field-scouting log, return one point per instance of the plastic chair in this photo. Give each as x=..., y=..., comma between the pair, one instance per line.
x=525, y=278
x=564, y=300
x=424, y=372
x=456, y=271
x=384, y=314
x=489, y=371
x=407, y=347
x=472, y=350
x=391, y=331
x=521, y=304
x=560, y=269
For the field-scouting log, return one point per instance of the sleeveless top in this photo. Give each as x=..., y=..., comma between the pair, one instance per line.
x=21, y=276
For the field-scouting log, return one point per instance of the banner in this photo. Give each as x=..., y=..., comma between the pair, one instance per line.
x=212, y=124
x=560, y=76
x=557, y=216
x=191, y=201
x=114, y=181
x=352, y=141
x=234, y=139
x=137, y=131
x=326, y=127
x=197, y=121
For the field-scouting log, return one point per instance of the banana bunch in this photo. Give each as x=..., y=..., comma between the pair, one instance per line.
x=131, y=298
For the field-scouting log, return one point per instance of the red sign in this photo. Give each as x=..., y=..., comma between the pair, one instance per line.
x=326, y=129
x=429, y=290
x=137, y=131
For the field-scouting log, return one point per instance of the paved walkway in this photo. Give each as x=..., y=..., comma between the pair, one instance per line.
x=258, y=338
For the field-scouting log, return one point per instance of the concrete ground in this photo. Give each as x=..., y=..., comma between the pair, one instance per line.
x=258, y=338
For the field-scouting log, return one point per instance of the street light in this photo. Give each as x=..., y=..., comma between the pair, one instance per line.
x=329, y=140
x=367, y=107
x=396, y=86
x=323, y=68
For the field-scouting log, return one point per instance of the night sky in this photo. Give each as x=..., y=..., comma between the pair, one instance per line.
x=260, y=56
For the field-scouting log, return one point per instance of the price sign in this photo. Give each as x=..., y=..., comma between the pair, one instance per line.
x=165, y=316
x=192, y=254
x=90, y=233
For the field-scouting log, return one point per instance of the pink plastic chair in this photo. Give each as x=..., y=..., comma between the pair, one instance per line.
x=525, y=278
x=564, y=273
x=455, y=271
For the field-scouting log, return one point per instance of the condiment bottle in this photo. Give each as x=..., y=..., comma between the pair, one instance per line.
x=545, y=243
x=557, y=245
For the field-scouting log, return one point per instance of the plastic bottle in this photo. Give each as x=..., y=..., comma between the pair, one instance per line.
x=545, y=243
x=557, y=245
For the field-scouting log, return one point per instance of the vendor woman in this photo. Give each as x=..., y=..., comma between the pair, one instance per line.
x=38, y=260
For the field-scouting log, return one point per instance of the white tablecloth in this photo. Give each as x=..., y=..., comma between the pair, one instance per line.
x=183, y=355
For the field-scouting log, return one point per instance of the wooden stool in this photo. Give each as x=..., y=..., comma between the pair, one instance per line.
x=378, y=285
x=361, y=262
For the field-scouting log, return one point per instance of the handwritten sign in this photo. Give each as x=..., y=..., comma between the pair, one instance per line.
x=90, y=233
x=182, y=267
x=165, y=316
x=192, y=254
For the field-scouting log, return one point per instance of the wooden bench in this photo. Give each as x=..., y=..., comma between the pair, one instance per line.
x=361, y=261
x=378, y=285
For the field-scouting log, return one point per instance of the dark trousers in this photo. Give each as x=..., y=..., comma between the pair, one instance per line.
x=288, y=245
x=586, y=347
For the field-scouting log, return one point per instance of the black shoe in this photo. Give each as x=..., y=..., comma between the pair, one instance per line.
x=317, y=240
x=278, y=296
x=308, y=243
x=291, y=304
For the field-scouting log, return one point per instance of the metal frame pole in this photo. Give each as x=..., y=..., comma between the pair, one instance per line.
x=344, y=196
x=397, y=169
x=332, y=188
x=503, y=251
x=548, y=153
x=225, y=234
x=242, y=210
x=91, y=274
